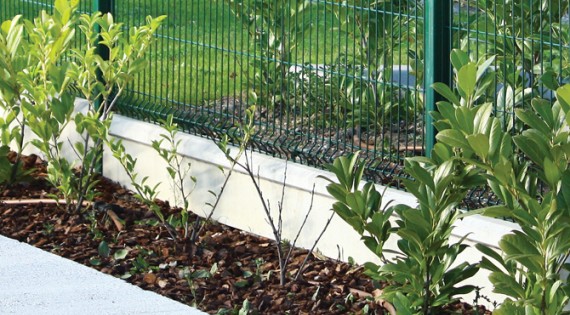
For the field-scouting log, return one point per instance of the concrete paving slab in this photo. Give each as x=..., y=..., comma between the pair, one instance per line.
x=33, y=281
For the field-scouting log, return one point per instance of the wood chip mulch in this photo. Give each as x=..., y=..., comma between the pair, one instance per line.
x=227, y=267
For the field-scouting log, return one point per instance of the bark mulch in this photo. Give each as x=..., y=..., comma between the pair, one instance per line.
x=227, y=267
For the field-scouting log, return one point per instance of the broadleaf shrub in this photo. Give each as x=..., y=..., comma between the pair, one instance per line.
x=44, y=72
x=528, y=171
x=423, y=275
x=524, y=159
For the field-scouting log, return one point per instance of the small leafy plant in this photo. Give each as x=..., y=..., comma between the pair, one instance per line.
x=528, y=172
x=144, y=192
x=180, y=172
x=177, y=169
x=360, y=207
x=43, y=73
x=167, y=148
x=422, y=277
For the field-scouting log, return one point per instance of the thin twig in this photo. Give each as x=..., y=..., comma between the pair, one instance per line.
x=267, y=209
x=302, y=224
x=280, y=205
x=314, y=245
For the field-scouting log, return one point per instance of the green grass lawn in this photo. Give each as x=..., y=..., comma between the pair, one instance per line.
x=203, y=52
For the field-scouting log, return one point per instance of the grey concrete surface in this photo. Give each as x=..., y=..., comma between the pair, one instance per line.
x=33, y=281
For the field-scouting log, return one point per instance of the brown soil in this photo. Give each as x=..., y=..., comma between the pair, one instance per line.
x=228, y=266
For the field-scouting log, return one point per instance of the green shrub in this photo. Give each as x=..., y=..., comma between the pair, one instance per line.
x=43, y=73
x=421, y=278
x=528, y=171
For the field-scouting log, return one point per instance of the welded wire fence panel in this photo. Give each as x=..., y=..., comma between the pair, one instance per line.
x=326, y=77
x=531, y=44
x=30, y=9
x=329, y=77
x=193, y=67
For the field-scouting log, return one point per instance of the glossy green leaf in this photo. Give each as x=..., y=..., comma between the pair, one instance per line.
x=465, y=118
x=467, y=79
x=459, y=58
x=491, y=253
x=487, y=264
x=453, y=138
x=447, y=112
x=508, y=308
x=15, y=33
x=441, y=152
x=356, y=202
x=482, y=118
x=544, y=109
x=103, y=249
x=531, y=148
x=446, y=92
x=563, y=97
x=551, y=172
x=337, y=191
x=550, y=80
x=517, y=247
x=495, y=140
x=121, y=254
x=479, y=144
x=483, y=66
x=506, y=284
x=533, y=120
x=497, y=211
x=419, y=173
x=564, y=193
x=402, y=304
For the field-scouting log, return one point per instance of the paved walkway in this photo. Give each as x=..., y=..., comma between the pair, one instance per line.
x=33, y=281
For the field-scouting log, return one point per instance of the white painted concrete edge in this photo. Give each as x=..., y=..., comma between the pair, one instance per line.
x=240, y=206
x=480, y=229
x=33, y=281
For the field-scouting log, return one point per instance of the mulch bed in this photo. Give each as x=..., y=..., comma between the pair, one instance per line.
x=228, y=266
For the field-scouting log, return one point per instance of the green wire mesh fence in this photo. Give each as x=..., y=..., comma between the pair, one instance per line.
x=329, y=77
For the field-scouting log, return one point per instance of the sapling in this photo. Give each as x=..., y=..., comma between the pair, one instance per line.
x=242, y=140
x=168, y=149
x=144, y=192
x=283, y=247
x=50, y=71
x=420, y=278
x=126, y=58
x=177, y=170
x=12, y=124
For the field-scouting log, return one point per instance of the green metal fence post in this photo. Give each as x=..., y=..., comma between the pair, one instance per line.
x=103, y=6
x=437, y=28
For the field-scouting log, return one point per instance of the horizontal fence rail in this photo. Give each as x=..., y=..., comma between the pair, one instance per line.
x=332, y=77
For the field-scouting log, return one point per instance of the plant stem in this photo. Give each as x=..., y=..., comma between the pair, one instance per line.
x=426, y=288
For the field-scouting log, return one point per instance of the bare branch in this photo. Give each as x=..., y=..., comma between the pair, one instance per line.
x=314, y=245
